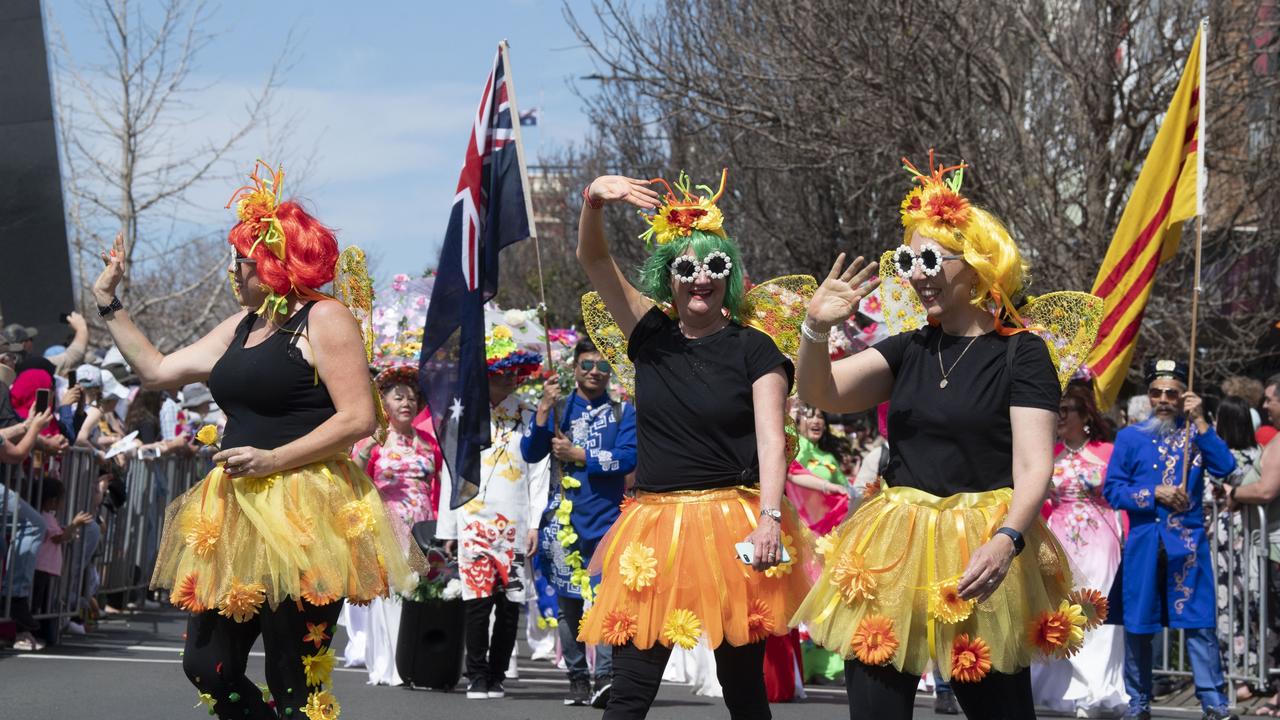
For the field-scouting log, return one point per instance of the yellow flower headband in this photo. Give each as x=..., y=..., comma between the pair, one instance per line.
x=257, y=205
x=679, y=216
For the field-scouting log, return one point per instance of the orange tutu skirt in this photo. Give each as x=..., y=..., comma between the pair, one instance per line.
x=670, y=574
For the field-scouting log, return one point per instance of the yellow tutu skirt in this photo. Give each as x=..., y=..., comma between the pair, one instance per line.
x=316, y=533
x=670, y=573
x=887, y=595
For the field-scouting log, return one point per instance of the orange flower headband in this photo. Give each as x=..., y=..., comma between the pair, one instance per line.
x=679, y=216
x=937, y=203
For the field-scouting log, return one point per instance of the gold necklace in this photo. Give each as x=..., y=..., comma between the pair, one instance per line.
x=947, y=371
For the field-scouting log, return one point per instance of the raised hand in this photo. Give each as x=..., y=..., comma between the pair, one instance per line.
x=840, y=293
x=618, y=188
x=104, y=288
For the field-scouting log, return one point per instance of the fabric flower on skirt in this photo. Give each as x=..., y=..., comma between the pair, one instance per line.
x=759, y=621
x=946, y=605
x=184, y=594
x=1060, y=632
x=874, y=641
x=322, y=705
x=970, y=659
x=314, y=591
x=242, y=600
x=638, y=565
x=853, y=579
x=1093, y=604
x=356, y=517
x=682, y=628
x=620, y=627
x=202, y=535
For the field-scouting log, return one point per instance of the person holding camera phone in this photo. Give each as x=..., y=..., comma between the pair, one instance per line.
x=285, y=525
x=710, y=393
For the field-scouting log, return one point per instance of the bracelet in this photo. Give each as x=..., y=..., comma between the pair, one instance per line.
x=812, y=335
x=586, y=197
x=105, y=310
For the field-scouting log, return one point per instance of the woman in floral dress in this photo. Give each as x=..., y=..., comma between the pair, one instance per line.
x=1089, y=530
x=402, y=462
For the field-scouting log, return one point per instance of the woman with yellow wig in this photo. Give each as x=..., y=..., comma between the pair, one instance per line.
x=949, y=562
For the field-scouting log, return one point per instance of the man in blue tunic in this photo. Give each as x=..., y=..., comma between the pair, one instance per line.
x=593, y=439
x=1168, y=580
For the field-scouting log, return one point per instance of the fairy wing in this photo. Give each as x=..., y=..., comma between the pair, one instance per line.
x=609, y=339
x=1068, y=321
x=902, y=309
x=777, y=307
x=353, y=287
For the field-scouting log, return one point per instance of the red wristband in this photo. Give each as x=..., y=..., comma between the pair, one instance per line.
x=586, y=197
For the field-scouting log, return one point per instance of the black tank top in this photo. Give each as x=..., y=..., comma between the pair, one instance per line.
x=271, y=396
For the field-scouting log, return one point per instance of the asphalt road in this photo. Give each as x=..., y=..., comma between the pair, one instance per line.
x=130, y=669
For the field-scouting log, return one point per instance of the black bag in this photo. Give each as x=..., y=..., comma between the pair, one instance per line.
x=430, y=644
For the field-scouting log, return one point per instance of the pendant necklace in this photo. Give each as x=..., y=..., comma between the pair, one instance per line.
x=947, y=371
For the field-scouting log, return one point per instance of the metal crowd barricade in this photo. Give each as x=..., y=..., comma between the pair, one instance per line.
x=114, y=555
x=1251, y=662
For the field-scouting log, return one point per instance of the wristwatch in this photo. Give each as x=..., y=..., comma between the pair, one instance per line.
x=1016, y=537
x=774, y=513
x=105, y=310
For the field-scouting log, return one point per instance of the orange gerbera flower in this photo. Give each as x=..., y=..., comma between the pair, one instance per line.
x=620, y=627
x=946, y=605
x=184, y=594
x=944, y=207
x=874, y=641
x=853, y=579
x=1059, y=632
x=970, y=659
x=242, y=601
x=759, y=621
x=1094, y=605
x=315, y=591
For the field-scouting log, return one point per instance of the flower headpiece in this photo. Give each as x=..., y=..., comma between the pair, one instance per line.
x=937, y=203
x=256, y=207
x=679, y=216
x=503, y=355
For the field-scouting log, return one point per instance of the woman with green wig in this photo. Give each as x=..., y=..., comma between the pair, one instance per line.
x=706, y=550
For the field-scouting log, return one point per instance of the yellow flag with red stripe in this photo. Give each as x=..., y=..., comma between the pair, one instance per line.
x=1169, y=190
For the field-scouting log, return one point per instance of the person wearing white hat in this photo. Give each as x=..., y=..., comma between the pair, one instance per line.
x=102, y=392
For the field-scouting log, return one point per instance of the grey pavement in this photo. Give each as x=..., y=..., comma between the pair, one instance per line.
x=130, y=668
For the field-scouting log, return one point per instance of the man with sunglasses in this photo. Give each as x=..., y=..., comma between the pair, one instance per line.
x=1167, y=576
x=593, y=439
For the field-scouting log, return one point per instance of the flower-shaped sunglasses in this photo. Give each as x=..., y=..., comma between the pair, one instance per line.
x=929, y=259
x=716, y=265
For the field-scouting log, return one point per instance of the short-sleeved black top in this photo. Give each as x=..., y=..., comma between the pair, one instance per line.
x=958, y=438
x=695, y=422
x=271, y=396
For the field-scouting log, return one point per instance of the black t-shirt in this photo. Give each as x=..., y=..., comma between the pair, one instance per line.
x=958, y=438
x=695, y=422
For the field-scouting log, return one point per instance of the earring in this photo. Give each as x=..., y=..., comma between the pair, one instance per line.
x=973, y=292
x=1088, y=430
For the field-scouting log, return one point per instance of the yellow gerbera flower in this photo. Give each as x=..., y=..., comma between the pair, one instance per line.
x=322, y=705
x=638, y=565
x=682, y=628
x=946, y=605
x=319, y=667
x=782, y=569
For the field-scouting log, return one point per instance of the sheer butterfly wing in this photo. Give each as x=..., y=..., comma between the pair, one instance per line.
x=353, y=287
x=898, y=300
x=777, y=307
x=609, y=339
x=1068, y=321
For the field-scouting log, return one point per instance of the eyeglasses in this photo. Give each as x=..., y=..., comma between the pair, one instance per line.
x=929, y=259
x=1065, y=410
x=716, y=265
x=1169, y=393
x=810, y=412
x=600, y=366
x=239, y=259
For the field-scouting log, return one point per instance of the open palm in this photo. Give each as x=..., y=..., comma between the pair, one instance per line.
x=619, y=188
x=105, y=286
x=841, y=291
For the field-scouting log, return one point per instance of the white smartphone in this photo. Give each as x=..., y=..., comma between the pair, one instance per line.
x=747, y=553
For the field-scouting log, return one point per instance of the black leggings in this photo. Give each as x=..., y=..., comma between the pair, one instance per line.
x=217, y=651
x=885, y=694
x=638, y=673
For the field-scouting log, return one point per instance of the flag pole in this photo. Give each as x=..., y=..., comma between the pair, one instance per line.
x=528, y=203
x=1201, y=184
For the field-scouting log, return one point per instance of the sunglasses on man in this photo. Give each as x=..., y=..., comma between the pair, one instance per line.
x=599, y=366
x=1166, y=393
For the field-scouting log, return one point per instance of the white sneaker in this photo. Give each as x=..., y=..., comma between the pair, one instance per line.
x=26, y=642
x=74, y=628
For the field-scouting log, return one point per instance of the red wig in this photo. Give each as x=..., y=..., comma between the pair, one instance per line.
x=311, y=251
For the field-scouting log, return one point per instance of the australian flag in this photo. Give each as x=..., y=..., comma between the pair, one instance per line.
x=490, y=212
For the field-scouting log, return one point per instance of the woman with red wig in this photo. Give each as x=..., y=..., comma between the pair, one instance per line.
x=286, y=524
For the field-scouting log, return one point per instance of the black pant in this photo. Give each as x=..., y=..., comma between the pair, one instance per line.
x=638, y=673
x=883, y=693
x=487, y=658
x=217, y=651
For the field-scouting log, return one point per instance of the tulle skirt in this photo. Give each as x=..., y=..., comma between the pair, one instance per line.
x=887, y=595
x=316, y=533
x=670, y=573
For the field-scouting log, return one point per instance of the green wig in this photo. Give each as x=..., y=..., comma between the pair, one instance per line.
x=655, y=274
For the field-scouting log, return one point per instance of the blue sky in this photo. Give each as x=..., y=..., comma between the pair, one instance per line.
x=382, y=99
